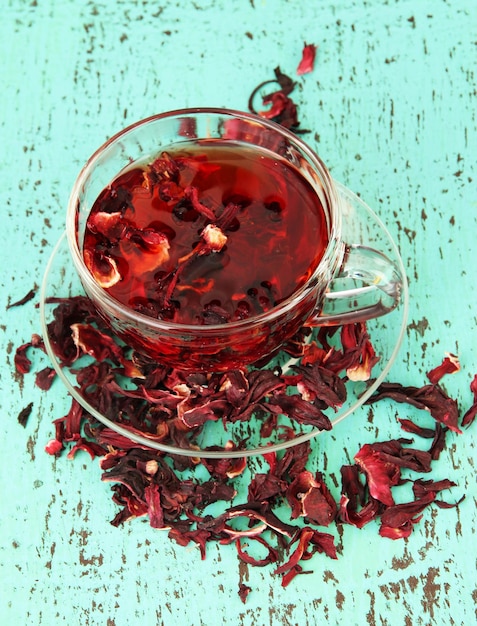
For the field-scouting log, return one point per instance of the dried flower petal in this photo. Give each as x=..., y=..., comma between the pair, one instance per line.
x=470, y=414
x=450, y=365
x=309, y=497
x=44, y=378
x=91, y=447
x=95, y=343
x=25, y=414
x=397, y=521
x=243, y=592
x=272, y=556
x=307, y=61
x=29, y=296
x=381, y=473
x=309, y=542
x=431, y=398
x=154, y=507
x=22, y=362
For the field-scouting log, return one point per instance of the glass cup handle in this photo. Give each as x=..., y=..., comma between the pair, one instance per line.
x=367, y=285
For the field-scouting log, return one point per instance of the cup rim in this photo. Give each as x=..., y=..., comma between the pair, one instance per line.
x=289, y=303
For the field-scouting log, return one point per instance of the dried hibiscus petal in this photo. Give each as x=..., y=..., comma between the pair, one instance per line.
x=470, y=414
x=266, y=487
x=309, y=497
x=44, y=378
x=449, y=365
x=243, y=592
x=316, y=382
x=301, y=411
x=309, y=542
x=381, y=473
x=29, y=296
x=307, y=61
x=91, y=447
x=283, y=110
x=54, y=447
x=431, y=398
x=272, y=556
x=397, y=521
x=25, y=414
x=411, y=458
x=420, y=487
x=154, y=507
x=22, y=362
x=355, y=508
x=411, y=427
x=227, y=467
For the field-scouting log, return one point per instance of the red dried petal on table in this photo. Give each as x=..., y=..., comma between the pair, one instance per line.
x=316, y=382
x=291, y=574
x=29, y=296
x=272, y=556
x=21, y=361
x=309, y=542
x=92, y=341
x=470, y=414
x=69, y=311
x=198, y=536
x=307, y=61
x=309, y=497
x=354, y=508
x=265, y=487
x=357, y=346
x=431, y=398
x=224, y=468
x=91, y=447
x=439, y=442
x=199, y=415
x=301, y=411
x=381, y=474
x=394, y=452
x=397, y=521
x=411, y=427
x=401, y=532
x=44, y=378
x=72, y=421
x=450, y=365
x=154, y=508
x=421, y=487
x=25, y=414
x=243, y=592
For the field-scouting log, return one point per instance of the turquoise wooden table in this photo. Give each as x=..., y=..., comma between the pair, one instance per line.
x=391, y=107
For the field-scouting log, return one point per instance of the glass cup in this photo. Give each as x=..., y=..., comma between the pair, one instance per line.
x=371, y=282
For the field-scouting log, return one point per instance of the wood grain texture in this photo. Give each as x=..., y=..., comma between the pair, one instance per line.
x=391, y=109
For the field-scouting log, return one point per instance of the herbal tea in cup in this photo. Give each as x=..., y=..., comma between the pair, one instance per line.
x=206, y=238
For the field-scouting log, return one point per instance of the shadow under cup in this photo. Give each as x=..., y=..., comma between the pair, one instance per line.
x=219, y=347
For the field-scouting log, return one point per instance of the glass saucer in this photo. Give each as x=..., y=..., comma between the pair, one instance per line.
x=360, y=225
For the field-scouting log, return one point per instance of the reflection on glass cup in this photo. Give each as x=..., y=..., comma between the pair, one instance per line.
x=242, y=241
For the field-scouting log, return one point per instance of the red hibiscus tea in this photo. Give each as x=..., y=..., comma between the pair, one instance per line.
x=208, y=233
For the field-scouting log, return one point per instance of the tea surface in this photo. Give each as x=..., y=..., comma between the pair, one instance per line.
x=207, y=234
